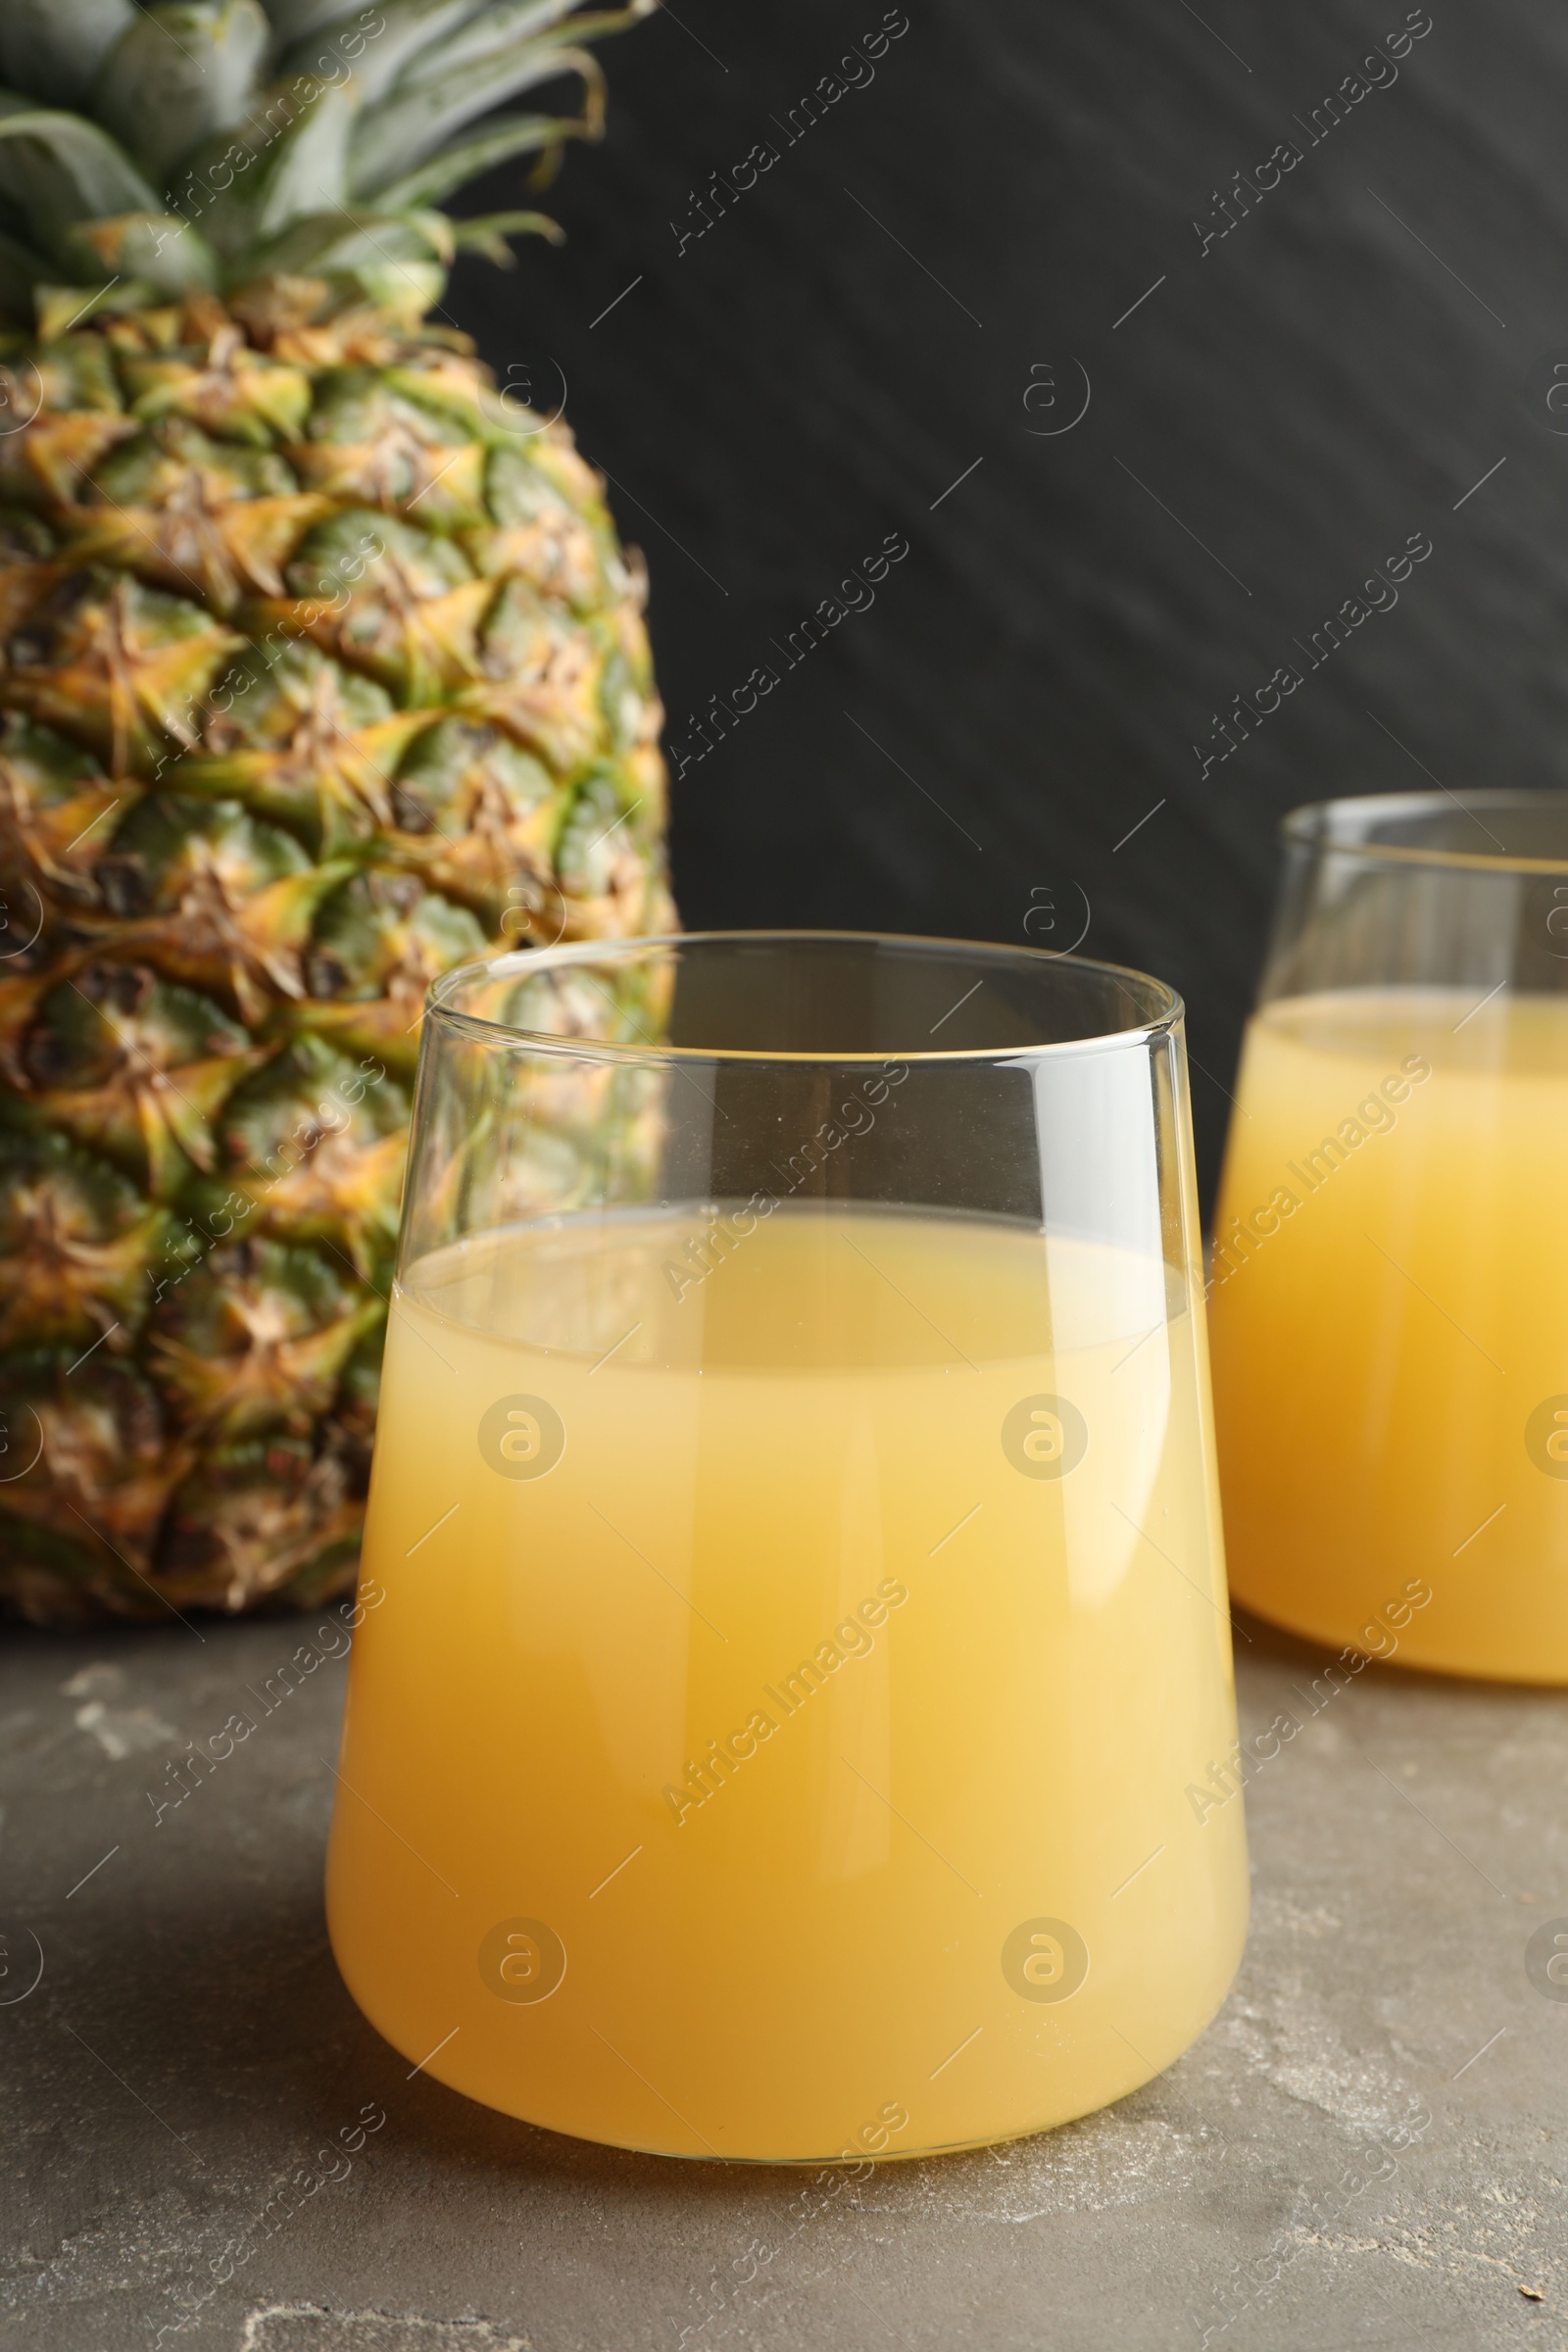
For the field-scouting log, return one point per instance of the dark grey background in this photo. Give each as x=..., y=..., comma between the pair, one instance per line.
x=1320, y=384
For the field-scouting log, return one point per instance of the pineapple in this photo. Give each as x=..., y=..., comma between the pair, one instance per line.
x=321, y=672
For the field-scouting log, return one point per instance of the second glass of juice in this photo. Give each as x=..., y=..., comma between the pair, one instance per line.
x=793, y=1616
x=1389, y=1299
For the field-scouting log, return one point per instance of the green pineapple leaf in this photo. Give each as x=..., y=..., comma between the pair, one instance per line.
x=377, y=57
x=489, y=233
x=289, y=161
x=182, y=70
x=418, y=116
x=159, y=252
x=298, y=20
x=501, y=32
x=472, y=153
x=398, y=261
x=54, y=47
x=57, y=170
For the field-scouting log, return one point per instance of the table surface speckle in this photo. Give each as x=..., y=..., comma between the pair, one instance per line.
x=188, y=2048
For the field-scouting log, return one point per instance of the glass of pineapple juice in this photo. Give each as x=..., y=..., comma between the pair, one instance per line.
x=1389, y=1295
x=794, y=1606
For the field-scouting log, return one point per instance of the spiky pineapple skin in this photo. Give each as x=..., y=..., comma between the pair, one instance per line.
x=321, y=672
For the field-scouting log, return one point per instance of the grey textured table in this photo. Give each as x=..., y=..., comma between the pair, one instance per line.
x=188, y=2049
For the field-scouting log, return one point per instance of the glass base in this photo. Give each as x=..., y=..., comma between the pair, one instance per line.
x=1415, y=1649
x=1124, y=2071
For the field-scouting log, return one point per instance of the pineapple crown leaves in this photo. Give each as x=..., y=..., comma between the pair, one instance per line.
x=182, y=146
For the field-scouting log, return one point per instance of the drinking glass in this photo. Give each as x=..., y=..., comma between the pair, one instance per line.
x=792, y=1616
x=1390, y=1278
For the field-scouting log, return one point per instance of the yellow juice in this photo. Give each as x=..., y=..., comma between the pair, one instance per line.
x=771, y=1730
x=1388, y=1313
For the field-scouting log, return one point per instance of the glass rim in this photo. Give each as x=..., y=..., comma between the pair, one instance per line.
x=1314, y=827
x=564, y=956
